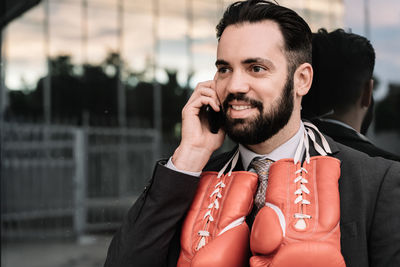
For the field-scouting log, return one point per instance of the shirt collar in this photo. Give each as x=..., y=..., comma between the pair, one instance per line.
x=286, y=150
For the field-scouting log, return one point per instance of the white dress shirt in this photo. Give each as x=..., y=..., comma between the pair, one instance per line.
x=286, y=150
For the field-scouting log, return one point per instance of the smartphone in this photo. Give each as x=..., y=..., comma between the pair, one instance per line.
x=213, y=118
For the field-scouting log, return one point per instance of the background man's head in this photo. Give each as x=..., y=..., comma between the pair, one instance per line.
x=343, y=65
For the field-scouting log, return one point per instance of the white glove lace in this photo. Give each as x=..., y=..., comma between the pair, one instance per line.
x=214, y=204
x=301, y=182
x=301, y=200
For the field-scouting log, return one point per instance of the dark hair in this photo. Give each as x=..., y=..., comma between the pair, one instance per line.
x=296, y=32
x=343, y=63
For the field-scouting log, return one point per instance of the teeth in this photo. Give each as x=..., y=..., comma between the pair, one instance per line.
x=240, y=107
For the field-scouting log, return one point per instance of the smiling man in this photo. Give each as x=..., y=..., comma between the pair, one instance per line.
x=255, y=110
x=275, y=199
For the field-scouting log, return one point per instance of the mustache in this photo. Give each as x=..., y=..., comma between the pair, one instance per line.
x=242, y=97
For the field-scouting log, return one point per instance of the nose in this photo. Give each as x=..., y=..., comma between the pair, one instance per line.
x=237, y=83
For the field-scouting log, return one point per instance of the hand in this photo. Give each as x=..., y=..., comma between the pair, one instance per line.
x=198, y=143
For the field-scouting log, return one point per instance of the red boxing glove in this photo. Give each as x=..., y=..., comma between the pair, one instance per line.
x=299, y=225
x=215, y=232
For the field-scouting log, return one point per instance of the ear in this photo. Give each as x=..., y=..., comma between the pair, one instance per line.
x=366, y=94
x=302, y=79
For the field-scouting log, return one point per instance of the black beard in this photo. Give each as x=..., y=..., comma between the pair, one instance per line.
x=265, y=125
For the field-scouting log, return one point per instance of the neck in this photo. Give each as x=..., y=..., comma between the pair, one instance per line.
x=353, y=119
x=284, y=134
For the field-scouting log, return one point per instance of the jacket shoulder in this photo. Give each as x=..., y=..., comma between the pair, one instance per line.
x=362, y=162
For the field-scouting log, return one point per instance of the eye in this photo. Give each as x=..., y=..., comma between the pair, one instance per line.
x=223, y=70
x=257, y=68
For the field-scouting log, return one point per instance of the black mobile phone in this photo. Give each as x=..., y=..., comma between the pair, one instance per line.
x=214, y=118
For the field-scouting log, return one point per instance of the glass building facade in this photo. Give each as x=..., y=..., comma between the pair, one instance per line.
x=150, y=36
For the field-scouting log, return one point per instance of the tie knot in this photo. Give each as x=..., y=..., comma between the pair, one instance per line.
x=261, y=166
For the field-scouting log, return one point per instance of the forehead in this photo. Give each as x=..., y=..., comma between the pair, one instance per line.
x=250, y=40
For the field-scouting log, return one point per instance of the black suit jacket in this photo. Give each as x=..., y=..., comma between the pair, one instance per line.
x=370, y=213
x=351, y=138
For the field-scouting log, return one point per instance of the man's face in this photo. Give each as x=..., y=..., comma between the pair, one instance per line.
x=252, y=81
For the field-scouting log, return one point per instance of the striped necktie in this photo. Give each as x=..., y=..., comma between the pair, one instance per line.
x=261, y=167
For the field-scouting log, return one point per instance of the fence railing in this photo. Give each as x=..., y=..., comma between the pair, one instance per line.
x=66, y=181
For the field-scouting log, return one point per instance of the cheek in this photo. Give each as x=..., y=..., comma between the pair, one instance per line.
x=264, y=92
x=271, y=89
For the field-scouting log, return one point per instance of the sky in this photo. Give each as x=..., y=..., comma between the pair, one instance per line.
x=384, y=36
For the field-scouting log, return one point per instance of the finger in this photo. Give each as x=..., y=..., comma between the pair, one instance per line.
x=208, y=92
x=203, y=101
x=204, y=92
x=208, y=84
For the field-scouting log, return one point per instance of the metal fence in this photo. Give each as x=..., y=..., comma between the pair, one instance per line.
x=66, y=181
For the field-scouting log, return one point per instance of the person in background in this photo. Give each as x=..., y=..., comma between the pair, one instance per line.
x=285, y=193
x=340, y=101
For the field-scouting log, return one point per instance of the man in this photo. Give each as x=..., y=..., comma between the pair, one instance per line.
x=342, y=88
x=263, y=71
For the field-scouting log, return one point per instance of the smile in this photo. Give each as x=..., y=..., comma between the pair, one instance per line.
x=241, y=110
x=240, y=107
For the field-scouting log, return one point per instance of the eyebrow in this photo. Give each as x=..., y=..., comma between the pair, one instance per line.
x=247, y=61
x=259, y=60
x=221, y=62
